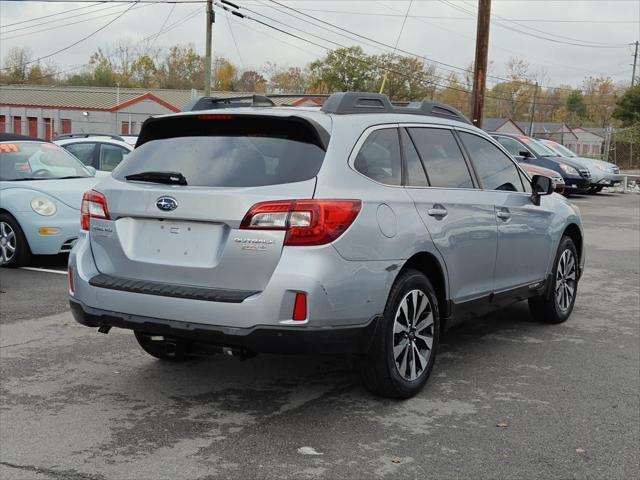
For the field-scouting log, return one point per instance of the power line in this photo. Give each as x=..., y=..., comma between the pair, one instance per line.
x=48, y=22
x=55, y=27
x=577, y=42
x=437, y=17
x=95, y=4
x=375, y=64
x=78, y=41
x=441, y=64
x=172, y=26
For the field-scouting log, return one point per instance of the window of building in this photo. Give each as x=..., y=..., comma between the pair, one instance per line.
x=66, y=125
x=125, y=128
x=442, y=158
x=379, y=157
x=3, y=124
x=495, y=170
x=17, y=125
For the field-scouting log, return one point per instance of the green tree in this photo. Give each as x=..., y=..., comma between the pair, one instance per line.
x=225, y=75
x=407, y=78
x=252, y=81
x=181, y=67
x=344, y=69
x=576, y=108
x=628, y=107
x=16, y=65
x=290, y=80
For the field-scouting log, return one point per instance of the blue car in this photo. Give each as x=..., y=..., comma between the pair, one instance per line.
x=41, y=188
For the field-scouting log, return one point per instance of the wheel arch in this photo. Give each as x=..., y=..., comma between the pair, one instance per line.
x=431, y=267
x=573, y=231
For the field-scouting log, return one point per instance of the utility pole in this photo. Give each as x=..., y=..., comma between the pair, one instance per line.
x=635, y=62
x=533, y=109
x=482, y=54
x=207, y=65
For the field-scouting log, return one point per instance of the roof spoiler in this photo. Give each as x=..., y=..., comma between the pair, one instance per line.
x=212, y=103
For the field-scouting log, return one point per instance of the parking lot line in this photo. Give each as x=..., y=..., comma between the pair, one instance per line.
x=46, y=270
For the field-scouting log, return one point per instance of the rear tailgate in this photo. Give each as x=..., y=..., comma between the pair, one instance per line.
x=189, y=234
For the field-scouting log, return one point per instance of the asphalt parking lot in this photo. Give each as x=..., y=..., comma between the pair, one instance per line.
x=509, y=398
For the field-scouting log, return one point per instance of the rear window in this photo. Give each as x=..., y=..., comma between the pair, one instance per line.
x=227, y=151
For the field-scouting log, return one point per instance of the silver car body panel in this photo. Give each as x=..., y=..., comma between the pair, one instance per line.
x=347, y=281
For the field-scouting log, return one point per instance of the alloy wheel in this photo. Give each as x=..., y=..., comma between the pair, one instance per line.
x=565, y=287
x=413, y=335
x=7, y=243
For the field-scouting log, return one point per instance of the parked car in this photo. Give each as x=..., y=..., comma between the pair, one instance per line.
x=130, y=139
x=102, y=152
x=603, y=174
x=41, y=188
x=577, y=177
x=358, y=227
x=558, y=181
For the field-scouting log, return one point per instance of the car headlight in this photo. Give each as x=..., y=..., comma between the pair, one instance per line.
x=601, y=168
x=43, y=206
x=568, y=169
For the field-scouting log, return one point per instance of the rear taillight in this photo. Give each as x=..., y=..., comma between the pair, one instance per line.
x=307, y=222
x=94, y=205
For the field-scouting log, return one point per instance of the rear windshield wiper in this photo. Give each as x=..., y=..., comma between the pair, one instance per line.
x=175, y=178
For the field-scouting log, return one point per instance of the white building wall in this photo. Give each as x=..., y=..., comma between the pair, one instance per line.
x=83, y=121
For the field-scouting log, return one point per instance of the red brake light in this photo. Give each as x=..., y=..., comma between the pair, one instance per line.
x=94, y=205
x=307, y=222
x=300, y=307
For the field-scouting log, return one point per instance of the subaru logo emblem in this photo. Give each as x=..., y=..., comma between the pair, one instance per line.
x=166, y=204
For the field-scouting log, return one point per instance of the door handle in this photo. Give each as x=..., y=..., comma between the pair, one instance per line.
x=503, y=215
x=437, y=212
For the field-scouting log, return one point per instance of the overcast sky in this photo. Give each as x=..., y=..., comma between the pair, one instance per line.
x=579, y=37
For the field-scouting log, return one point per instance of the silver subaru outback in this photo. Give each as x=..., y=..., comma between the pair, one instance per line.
x=359, y=227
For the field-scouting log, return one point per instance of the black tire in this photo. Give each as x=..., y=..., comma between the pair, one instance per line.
x=12, y=236
x=548, y=308
x=378, y=367
x=167, y=349
x=594, y=190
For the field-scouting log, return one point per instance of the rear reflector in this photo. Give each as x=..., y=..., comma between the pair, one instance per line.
x=94, y=205
x=307, y=222
x=70, y=275
x=300, y=307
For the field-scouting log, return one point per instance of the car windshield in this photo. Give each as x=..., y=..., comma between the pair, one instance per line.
x=538, y=148
x=38, y=161
x=562, y=150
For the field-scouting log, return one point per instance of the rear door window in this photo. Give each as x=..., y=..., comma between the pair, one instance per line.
x=495, y=170
x=227, y=151
x=111, y=156
x=82, y=151
x=379, y=157
x=442, y=158
x=514, y=147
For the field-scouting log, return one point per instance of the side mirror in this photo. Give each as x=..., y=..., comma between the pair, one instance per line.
x=541, y=185
x=525, y=154
x=91, y=169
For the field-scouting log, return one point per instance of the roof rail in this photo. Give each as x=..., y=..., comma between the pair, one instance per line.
x=87, y=135
x=212, y=103
x=361, y=102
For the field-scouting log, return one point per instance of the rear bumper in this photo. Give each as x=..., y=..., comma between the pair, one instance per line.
x=258, y=339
